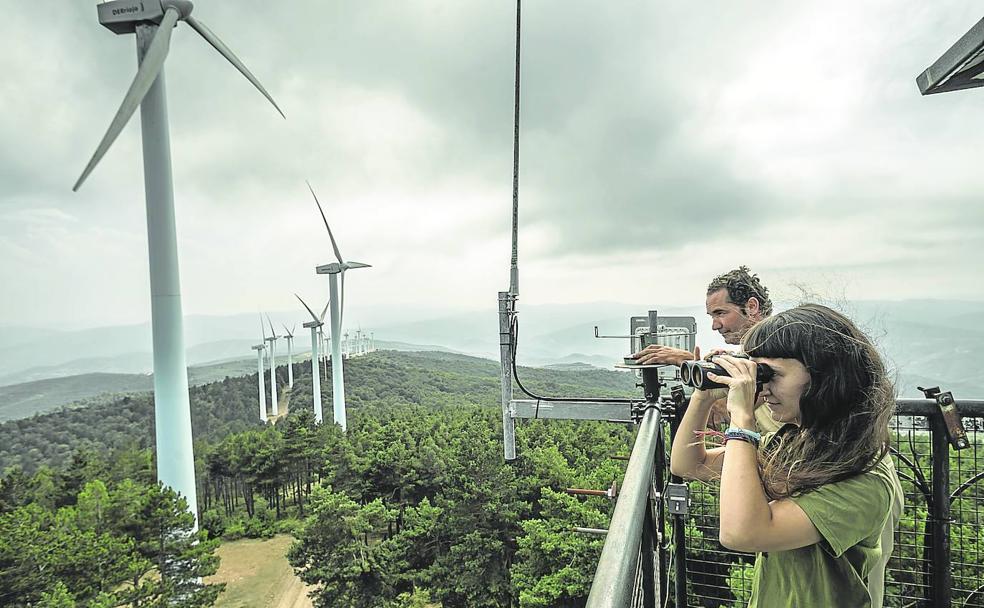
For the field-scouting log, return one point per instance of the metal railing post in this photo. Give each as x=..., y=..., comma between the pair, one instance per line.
x=679, y=524
x=650, y=576
x=615, y=577
x=940, y=580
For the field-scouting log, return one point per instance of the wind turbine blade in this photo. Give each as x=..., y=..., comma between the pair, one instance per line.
x=313, y=316
x=150, y=67
x=350, y=265
x=272, y=332
x=334, y=245
x=262, y=329
x=289, y=332
x=325, y=311
x=220, y=46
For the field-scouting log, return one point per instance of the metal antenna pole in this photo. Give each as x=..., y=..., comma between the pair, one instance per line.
x=172, y=407
x=514, y=266
x=505, y=365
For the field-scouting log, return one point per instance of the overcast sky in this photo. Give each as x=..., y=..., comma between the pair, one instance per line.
x=662, y=143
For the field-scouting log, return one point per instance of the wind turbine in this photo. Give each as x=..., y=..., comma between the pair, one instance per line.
x=315, y=326
x=273, y=364
x=333, y=270
x=152, y=21
x=259, y=348
x=290, y=355
x=325, y=347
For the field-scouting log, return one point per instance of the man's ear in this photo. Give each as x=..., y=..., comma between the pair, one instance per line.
x=752, y=308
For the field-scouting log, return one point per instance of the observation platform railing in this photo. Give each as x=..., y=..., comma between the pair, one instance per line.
x=938, y=558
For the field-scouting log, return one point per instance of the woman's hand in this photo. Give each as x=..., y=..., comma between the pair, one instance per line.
x=741, y=387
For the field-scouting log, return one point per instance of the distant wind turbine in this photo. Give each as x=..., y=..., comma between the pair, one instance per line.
x=153, y=22
x=315, y=326
x=273, y=365
x=259, y=348
x=325, y=347
x=337, y=310
x=290, y=355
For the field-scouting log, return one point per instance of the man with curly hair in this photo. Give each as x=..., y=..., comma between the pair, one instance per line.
x=736, y=300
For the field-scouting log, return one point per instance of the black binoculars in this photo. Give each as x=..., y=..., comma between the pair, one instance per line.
x=694, y=373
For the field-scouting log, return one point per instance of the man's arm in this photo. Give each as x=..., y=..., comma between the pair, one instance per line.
x=656, y=354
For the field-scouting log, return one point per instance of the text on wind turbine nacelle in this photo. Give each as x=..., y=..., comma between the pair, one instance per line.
x=122, y=16
x=333, y=268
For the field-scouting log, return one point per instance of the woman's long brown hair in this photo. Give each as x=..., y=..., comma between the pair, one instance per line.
x=845, y=411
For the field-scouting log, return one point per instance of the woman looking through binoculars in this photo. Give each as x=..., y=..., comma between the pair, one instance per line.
x=819, y=499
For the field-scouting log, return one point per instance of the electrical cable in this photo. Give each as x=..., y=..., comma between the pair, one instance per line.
x=672, y=539
x=514, y=338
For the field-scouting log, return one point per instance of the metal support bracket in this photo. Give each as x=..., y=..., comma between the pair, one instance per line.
x=955, y=432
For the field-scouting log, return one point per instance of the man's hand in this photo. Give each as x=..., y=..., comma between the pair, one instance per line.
x=664, y=355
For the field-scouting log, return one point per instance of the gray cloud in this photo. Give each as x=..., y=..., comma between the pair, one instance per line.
x=646, y=129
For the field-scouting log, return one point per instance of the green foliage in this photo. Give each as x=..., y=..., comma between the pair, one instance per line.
x=40, y=549
x=418, y=598
x=59, y=597
x=337, y=550
x=554, y=564
x=740, y=582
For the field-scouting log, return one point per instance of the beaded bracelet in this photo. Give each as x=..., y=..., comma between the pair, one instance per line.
x=742, y=435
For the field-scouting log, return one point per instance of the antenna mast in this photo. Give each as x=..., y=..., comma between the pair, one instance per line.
x=514, y=266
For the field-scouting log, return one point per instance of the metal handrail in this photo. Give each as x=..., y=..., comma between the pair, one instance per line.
x=614, y=580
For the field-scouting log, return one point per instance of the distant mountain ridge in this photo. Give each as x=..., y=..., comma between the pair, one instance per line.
x=926, y=339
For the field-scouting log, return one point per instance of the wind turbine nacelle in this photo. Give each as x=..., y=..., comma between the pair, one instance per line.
x=311, y=324
x=333, y=268
x=123, y=16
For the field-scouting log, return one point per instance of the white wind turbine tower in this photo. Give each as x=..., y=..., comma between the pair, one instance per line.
x=153, y=22
x=325, y=347
x=290, y=355
x=273, y=365
x=337, y=310
x=315, y=326
x=259, y=348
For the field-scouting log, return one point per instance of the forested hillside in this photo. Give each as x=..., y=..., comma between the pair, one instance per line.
x=24, y=399
x=229, y=406
x=414, y=504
